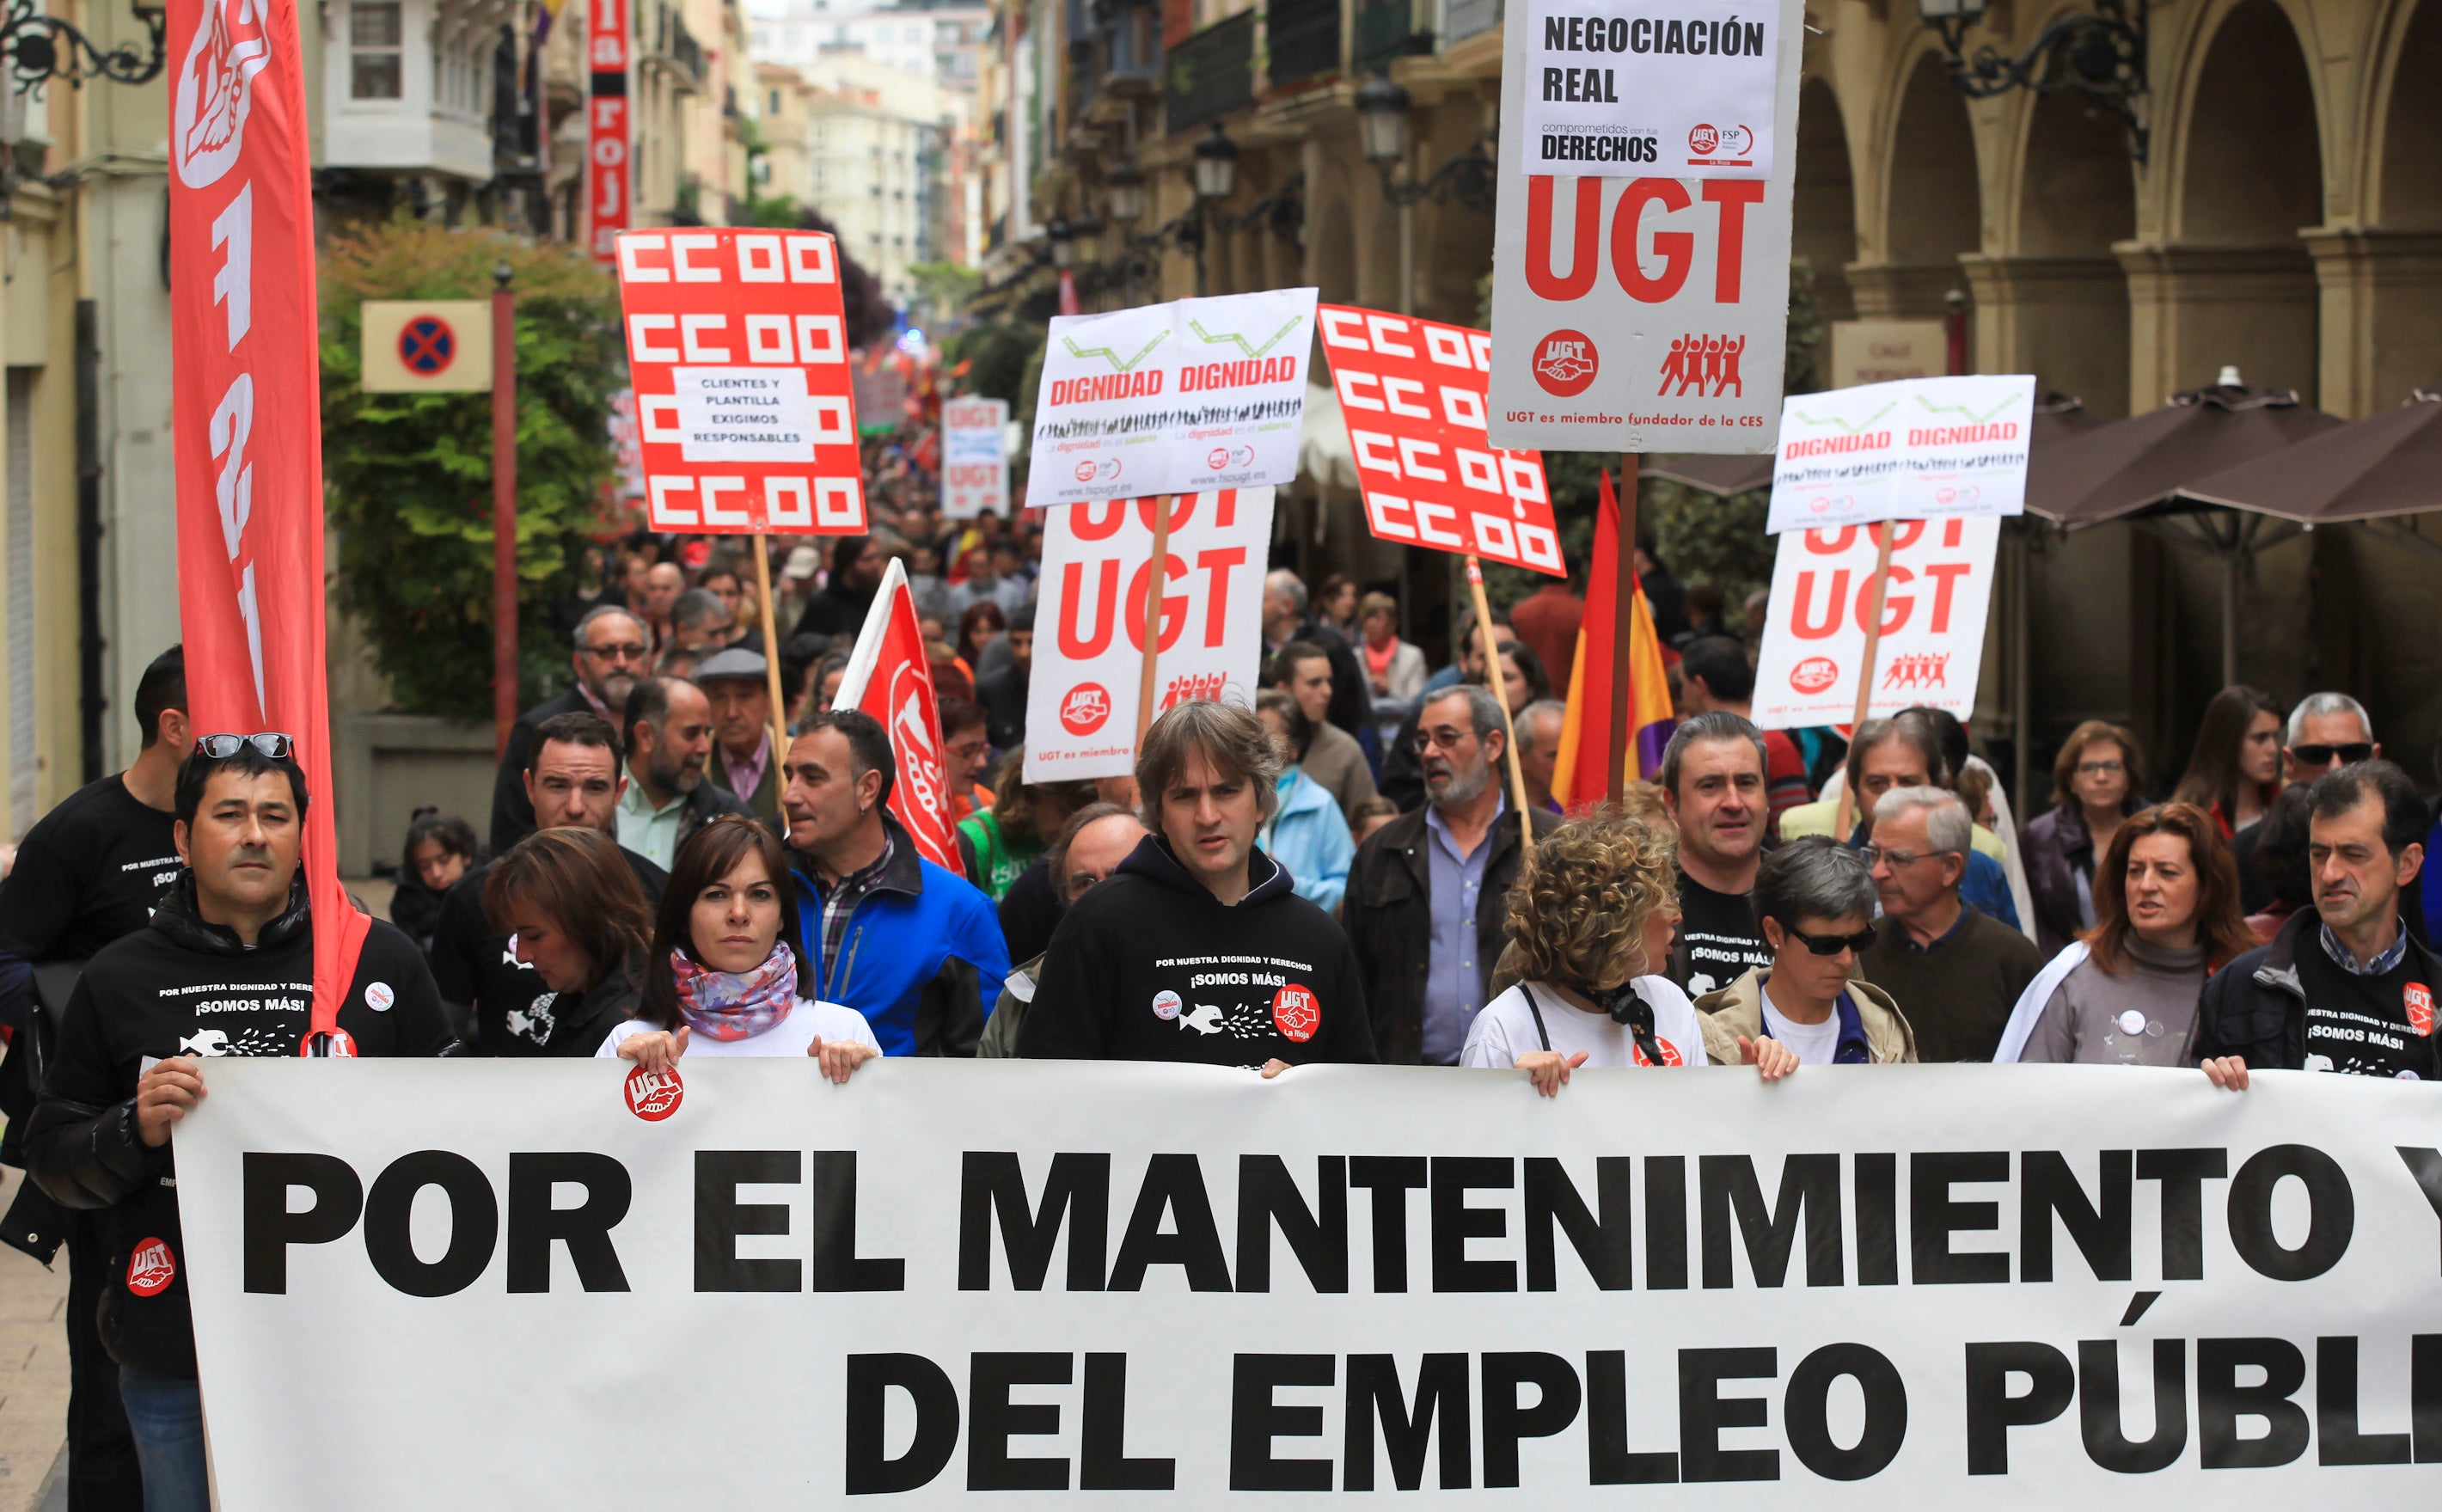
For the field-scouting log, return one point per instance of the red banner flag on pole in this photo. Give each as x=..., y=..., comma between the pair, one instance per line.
x=1582, y=772
x=246, y=417
x=890, y=677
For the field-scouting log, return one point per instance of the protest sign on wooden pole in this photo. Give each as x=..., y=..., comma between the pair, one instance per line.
x=1866, y=668
x=1623, y=629
x=505, y=510
x=770, y=654
x=1157, y=575
x=1499, y=688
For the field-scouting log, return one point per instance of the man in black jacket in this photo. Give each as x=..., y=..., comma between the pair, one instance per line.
x=1428, y=893
x=1198, y=949
x=2343, y=988
x=227, y=968
x=612, y=649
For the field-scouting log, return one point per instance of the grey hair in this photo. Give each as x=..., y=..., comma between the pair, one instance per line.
x=1817, y=876
x=1526, y=721
x=576, y=637
x=1229, y=737
x=695, y=607
x=1947, y=828
x=2325, y=705
x=1717, y=724
x=1284, y=581
x=1483, y=710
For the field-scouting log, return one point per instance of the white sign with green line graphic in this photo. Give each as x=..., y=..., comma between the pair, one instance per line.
x=1172, y=399
x=1921, y=449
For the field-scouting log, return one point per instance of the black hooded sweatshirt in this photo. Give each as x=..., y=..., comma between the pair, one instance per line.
x=1150, y=966
x=185, y=987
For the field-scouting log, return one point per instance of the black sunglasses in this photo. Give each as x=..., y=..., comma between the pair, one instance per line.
x=1833, y=944
x=2320, y=755
x=221, y=747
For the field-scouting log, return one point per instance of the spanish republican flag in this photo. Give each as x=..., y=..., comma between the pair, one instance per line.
x=1581, y=778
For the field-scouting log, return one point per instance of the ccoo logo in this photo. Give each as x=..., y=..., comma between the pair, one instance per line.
x=1085, y=709
x=1565, y=362
x=1814, y=674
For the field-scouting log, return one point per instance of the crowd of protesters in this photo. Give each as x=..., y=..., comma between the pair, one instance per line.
x=1330, y=870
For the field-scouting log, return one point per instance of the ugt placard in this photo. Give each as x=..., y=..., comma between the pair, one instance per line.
x=1641, y=301
x=1411, y=395
x=1933, y=620
x=974, y=458
x=738, y=346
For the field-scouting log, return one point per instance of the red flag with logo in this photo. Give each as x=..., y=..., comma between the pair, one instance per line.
x=246, y=406
x=890, y=677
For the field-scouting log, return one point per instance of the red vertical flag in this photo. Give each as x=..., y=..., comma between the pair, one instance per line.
x=890, y=677
x=606, y=127
x=247, y=416
x=1584, y=763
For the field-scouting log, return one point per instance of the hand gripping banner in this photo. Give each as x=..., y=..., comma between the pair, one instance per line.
x=246, y=414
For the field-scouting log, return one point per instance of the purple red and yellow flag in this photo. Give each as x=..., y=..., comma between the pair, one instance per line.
x=1581, y=776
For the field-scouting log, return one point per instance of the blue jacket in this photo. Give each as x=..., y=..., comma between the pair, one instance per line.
x=1310, y=840
x=922, y=958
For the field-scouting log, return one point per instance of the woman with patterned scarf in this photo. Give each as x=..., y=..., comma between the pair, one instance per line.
x=722, y=975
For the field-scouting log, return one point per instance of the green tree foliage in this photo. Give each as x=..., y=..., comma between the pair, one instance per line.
x=409, y=477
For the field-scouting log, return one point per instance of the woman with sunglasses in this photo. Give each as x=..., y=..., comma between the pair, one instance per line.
x=1815, y=901
x=721, y=978
x=1590, y=921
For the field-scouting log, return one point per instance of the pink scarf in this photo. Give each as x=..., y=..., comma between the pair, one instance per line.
x=735, y=1006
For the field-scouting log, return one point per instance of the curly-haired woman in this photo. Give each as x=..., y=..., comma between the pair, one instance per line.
x=1590, y=919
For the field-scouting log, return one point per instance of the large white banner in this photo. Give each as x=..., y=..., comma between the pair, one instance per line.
x=1623, y=88
x=1081, y=701
x=491, y=1286
x=974, y=458
x=1916, y=449
x=1644, y=306
x=1932, y=648
x=1172, y=399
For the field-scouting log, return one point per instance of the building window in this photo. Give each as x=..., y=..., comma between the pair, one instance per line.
x=374, y=49
x=775, y=110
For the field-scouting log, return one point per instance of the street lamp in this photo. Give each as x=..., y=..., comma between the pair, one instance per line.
x=39, y=47
x=1127, y=198
x=1064, y=244
x=2100, y=56
x=1382, y=120
x=1217, y=165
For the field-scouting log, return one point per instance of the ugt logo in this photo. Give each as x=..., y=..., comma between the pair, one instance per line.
x=1930, y=669
x=1565, y=363
x=1085, y=709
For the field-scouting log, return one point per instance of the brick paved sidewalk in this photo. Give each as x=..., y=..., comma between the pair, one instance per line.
x=33, y=1374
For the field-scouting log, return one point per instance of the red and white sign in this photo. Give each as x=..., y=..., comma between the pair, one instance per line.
x=1916, y=449
x=245, y=411
x=1632, y=310
x=1933, y=620
x=1296, y=1012
x=653, y=1096
x=738, y=349
x=150, y=1269
x=1081, y=702
x=974, y=458
x=607, y=176
x=2418, y=999
x=1411, y=395
x=890, y=677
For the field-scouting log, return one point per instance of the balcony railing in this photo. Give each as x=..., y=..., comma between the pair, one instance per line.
x=1211, y=73
x=1304, y=41
x=1388, y=29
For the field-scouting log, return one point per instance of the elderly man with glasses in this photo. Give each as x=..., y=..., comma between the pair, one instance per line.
x=1427, y=894
x=1954, y=972
x=1814, y=904
x=611, y=650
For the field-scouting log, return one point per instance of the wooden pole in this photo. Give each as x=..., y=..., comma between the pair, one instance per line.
x=1866, y=668
x=1499, y=695
x=1156, y=578
x=505, y=510
x=1622, y=630
x=771, y=658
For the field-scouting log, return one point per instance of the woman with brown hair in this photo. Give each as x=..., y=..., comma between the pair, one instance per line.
x=1589, y=920
x=722, y=975
x=2235, y=773
x=2166, y=917
x=2098, y=781
x=1000, y=843
x=573, y=912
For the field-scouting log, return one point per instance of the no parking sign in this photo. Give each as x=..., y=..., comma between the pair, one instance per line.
x=430, y=346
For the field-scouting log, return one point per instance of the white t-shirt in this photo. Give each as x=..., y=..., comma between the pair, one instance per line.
x=831, y=1021
x=1814, y=1044
x=1505, y=1028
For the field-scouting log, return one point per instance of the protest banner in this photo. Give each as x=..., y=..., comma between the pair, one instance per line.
x=1172, y=399
x=974, y=458
x=890, y=677
x=607, y=203
x=1085, y=699
x=246, y=409
x=1640, y=302
x=1932, y=643
x=736, y=349
x=1203, y=1290
x=1920, y=448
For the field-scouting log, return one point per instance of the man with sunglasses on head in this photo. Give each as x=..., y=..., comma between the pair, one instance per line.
x=1428, y=893
x=1955, y=971
x=225, y=968
x=1814, y=905
x=612, y=649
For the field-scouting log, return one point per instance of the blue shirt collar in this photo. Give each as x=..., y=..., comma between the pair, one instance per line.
x=2378, y=966
x=1908, y=939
